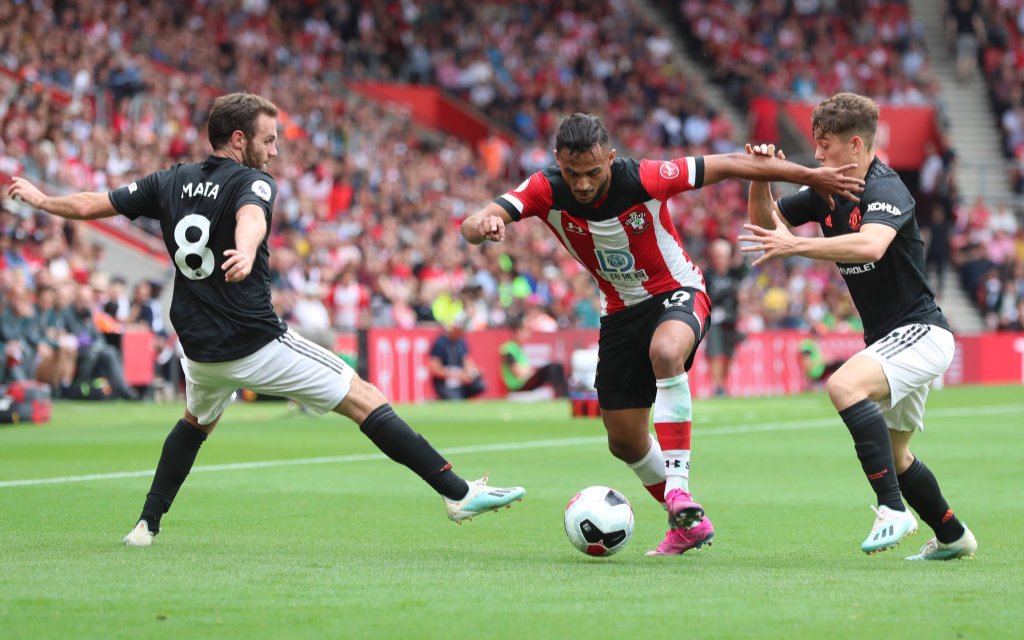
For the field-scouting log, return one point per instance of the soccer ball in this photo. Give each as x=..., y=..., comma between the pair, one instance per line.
x=599, y=521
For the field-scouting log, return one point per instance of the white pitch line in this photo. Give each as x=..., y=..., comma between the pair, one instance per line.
x=505, y=446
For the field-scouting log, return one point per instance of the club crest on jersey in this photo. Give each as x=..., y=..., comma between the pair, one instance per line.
x=669, y=170
x=638, y=222
x=855, y=219
x=262, y=189
x=575, y=228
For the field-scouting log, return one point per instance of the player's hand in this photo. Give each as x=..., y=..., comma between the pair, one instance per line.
x=238, y=265
x=765, y=150
x=775, y=243
x=492, y=228
x=830, y=181
x=27, y=192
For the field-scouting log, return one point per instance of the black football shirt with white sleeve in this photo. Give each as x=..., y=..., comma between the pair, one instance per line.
x=893, y=291
x=196, y=205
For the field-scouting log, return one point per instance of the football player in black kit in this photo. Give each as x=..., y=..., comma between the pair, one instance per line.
x=880, y=392
x=215, y=216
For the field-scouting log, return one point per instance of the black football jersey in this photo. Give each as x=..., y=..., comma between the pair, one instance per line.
x=894, y=291
x=196, y=205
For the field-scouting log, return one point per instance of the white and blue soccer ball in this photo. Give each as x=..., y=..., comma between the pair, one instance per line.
x=599, y=521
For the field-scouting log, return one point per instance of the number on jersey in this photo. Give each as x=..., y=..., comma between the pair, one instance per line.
x=197, y=251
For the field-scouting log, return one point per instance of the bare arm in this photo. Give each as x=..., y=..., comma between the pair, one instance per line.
x=761, y=205
x=486, y=224
x=250, y=229
x=867, y=245
x=79, y=206
x=760, y=201
x=826, y=181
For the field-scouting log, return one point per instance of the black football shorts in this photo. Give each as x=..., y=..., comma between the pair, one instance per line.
x=625, y=376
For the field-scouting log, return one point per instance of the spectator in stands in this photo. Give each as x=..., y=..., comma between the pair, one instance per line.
x=309, y=312
x=118, y=305
x=64, y=345
x=96, y=357
x=453, y=372
x=21, y=340
x=928, y=179
x=519, y=374
x=145, y=309
x=348, y=297
x=965, y=30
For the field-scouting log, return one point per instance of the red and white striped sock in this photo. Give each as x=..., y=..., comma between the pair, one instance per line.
x=673, y=411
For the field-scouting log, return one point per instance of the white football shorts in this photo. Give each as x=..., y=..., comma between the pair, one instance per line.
x=290, y=367
x=912, y=357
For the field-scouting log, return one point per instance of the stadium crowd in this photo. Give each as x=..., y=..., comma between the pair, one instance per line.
x=366, y=227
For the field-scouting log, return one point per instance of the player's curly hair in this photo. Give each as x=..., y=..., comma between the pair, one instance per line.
x=846, y=115
x=579, y=133
x=236, y=112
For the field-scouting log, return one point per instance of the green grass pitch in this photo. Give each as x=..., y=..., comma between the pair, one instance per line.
x=291, y=526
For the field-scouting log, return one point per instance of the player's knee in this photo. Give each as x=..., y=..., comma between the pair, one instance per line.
x=362, y=398
x=667, y=360
x=205, y=428
x=843, y=390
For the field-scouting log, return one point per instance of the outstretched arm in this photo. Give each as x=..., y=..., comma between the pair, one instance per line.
x=826, y=181
x=867, y=245
x=78, y=206
x=486, y=224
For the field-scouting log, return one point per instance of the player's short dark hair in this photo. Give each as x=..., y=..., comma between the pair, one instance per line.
x=236, y=112
x=580, y=132
x=846, y=115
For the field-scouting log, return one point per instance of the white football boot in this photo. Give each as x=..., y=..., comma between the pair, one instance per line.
x=935, y=550
x=481, y=499
x=889, y=529
x=140, y=536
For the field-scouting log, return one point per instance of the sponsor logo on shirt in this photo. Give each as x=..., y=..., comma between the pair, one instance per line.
x=631, y=277
x=857, y=269
x=262, y=189
x=669, y=170
x=575, y=228
x=884, y=206
x=616, y=266
x=133, y=187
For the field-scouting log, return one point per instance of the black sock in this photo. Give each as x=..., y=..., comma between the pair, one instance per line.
x=400, y=443
x=176, y=459
x=871, y=440
x=921, y=491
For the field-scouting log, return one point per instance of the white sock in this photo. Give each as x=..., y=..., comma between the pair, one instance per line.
x=651, y=468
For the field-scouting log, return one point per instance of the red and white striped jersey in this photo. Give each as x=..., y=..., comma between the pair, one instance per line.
x=627, y=240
